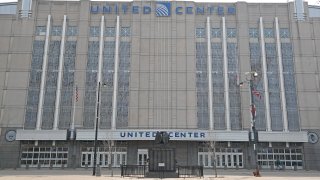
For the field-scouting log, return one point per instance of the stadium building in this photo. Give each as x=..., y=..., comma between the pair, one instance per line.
x=138, y=67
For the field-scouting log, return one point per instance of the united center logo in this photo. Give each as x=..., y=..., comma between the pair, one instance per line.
x=163, y=9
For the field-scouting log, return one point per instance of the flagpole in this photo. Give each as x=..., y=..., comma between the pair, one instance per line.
x=72, y=131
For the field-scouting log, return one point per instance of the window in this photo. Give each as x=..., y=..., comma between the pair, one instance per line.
x=216, y=32
x=91, y=84
x=125, y=31
x=110, y=32
x=268, y=33
x=284, y=33
x=45, y=156
x=56, y=31
x=94, y=31
x=41, y=30
x=231, y=32
x=200, y=33
x=67, y=91
x=72, y=31
x=253, y=32
x=202, y=85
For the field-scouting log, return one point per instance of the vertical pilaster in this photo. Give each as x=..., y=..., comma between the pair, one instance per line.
x=115, y=77
x=100, y=61
x=282, y=90
x=44, y=73
x=225, y=72
x=264, y=71
x=209, y=62
x=59, y=83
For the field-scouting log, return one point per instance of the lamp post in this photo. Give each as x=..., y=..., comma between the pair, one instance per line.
x=96, y=132
x=250, y=76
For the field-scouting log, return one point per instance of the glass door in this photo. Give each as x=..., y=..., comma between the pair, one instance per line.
x=87, y=159
x=142, y=157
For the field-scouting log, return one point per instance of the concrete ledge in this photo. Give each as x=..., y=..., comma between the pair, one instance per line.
x=41, y=134
x=300, y=136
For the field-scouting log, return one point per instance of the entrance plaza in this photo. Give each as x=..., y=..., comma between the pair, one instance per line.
x=86, y=174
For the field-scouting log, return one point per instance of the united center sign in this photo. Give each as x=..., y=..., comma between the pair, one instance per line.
x=162, y=9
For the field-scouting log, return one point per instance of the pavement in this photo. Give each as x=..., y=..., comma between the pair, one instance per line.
x=86, y=174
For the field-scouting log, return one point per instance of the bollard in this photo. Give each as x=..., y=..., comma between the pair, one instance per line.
x=225, y=167
x=62, y=166
x=98, y=170
x=86, y=166
x=51, y=166
x=237, y=167
x=295, y=167
x=27, y=166
x=39, y=166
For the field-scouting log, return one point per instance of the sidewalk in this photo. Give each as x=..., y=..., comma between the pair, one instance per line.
x=86, y=174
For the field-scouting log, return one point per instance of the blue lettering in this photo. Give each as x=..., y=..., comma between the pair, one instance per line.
x=183, y=134
x=170, y=134
x=190, y=134
x=210, y=9
x=136, y=134
x=202, y=135
x=200, y=10
x=124, y=8
x=154, y=134
x=231, y=10
x=195, y=134
x=106, y=9
x=141, y=133
x=179, y=10
x=147, y=134
x=176, y=134
x=94, y=9
x=188, y=10
x=135, y=9
x=220, y=10
x=146, y=10
x=130, y=134
x=116, y=9
x=122, y=134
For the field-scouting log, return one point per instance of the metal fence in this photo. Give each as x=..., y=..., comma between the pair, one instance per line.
x=134, y=170
x=190, y=171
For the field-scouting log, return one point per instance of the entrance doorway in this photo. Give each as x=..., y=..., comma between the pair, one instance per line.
x=230, y=158
x=143, y=156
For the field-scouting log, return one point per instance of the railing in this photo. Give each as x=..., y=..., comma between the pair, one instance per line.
x=142, y=170
x=134, y=170
x=190, y=171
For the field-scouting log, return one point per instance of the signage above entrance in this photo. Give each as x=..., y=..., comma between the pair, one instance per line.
x=163, y=9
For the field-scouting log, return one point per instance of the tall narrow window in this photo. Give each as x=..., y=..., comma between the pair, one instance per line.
x=123, y=85
x=107, y=92
x=91, y=85
x=290, y=86
x=51, y=85
x=274, y=89
x=67, y=91
x=218, y=86
x=202, y=85
x=234, y=91
x=34, y=85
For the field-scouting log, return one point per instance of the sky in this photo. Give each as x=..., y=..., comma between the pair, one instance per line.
x=311, y=2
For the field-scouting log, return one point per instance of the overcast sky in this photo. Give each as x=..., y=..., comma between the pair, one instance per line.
x=311, y=2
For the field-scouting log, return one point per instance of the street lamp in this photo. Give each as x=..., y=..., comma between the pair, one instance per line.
x=96, y=130
x=250, y=76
